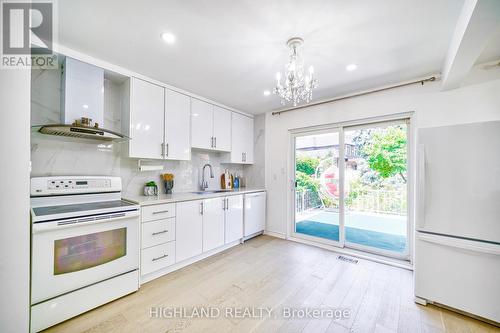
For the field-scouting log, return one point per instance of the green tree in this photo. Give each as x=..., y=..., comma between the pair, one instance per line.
x=307, y=165
x=386, y=152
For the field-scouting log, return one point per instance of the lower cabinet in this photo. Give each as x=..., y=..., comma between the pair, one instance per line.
x=174, y=232
x=233, y=218
x=157, y=257
x=213, y=223
x=189, y=229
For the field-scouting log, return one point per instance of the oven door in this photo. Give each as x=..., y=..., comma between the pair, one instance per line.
x=67, y=256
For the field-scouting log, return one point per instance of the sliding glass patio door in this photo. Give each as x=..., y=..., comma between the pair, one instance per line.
x=351, y=187
x=318, y=186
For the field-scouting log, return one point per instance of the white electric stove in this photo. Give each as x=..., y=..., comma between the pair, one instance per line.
x=85, y=246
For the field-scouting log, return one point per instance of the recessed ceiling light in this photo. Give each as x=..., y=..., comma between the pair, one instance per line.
x=267, y=93
x=168, y=37
x=351, y=67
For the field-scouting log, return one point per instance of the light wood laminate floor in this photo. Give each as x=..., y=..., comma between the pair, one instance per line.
x=272, y=273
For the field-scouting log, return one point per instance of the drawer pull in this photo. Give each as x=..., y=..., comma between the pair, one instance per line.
x=160, y=212
x=162, y=257
x=159, y=232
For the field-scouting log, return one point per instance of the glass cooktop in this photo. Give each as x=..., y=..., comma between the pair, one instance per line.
x=80, y=207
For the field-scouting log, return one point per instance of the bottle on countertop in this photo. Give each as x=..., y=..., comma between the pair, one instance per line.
x=236, y=181
x=228, y=179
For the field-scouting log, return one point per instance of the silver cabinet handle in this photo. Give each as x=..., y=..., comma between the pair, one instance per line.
x=161, y=257
x=223, y=203
x=227, y=203
x=211, y=142
x=166, y=154
x=215, y=142
x=159, y=232
x=201, y=208
x=160, y=212
x=162, y=149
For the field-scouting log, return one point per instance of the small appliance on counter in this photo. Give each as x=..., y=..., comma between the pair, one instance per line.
x=85, y=246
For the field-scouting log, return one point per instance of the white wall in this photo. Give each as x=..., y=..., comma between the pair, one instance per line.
x=14, y=200
x=478, y=100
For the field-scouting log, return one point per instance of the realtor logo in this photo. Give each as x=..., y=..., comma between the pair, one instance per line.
x=27, y=35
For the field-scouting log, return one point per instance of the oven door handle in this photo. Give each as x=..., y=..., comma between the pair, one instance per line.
x=83, y=221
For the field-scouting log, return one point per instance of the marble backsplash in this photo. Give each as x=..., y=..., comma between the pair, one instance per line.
x=51, y=155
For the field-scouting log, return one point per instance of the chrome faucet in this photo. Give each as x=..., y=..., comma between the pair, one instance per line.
x=204, y=183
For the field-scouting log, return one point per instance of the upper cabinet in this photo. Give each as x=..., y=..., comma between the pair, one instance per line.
x=222, y=129
x=146, y=119
x=177, y=126
x=210, y=126
x=241, y=139
x=201, y=124
x=159, y=122
x=166, y=124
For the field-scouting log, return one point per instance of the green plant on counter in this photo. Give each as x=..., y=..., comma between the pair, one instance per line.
x=151, y=183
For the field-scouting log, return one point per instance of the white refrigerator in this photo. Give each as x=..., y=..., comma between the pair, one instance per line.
x=457, y=240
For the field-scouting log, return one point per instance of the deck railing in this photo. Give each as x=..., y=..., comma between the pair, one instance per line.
x=380, y=201
x=306, y=200
x=372, y=201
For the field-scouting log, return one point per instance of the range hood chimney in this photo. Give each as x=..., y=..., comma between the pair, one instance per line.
x=82, y=104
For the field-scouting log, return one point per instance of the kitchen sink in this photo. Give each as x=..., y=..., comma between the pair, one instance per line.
x=211, y=191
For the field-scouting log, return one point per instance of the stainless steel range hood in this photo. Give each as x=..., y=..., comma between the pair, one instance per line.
x=82, y=104
x=83, y=132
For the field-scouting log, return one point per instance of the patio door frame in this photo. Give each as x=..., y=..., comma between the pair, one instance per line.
x=339, y=127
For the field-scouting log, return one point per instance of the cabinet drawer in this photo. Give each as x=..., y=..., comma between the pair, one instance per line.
x=157, y=232
x=158, y=212
x=157, y=257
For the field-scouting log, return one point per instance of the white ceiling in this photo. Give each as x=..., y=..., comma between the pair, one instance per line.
x=229, y=50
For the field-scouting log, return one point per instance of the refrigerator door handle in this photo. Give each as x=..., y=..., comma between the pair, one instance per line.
x=464, y=244
x=421, y=186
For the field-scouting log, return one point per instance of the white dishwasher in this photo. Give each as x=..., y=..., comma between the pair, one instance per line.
x=255, y=214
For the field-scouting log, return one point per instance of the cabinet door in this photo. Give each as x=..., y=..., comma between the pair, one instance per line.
x=146, y=119
x=234, y=218
x=177, y=126
x=213, y=223
x=255, y=213
x=201, y=124
x=189, y=229
x=241, y=139
x=237, y=137
x=222, y=129
x=248, y=142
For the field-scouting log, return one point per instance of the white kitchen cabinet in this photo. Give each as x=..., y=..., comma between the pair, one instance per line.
x=210, y=126
x=146, y=119
x=222, y=129
x=201, y=124
x=213, y=223
x=233, y=218
x=189, y=229
x=177, y=126
x=255, y=213
x=157, y=257
x=241, y=139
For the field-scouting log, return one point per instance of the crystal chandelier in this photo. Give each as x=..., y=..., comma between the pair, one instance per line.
x=297, y=87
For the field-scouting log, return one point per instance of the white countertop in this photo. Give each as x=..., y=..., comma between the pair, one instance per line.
x=184, y=196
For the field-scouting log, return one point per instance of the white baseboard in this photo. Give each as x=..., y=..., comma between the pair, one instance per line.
x=275, y=234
